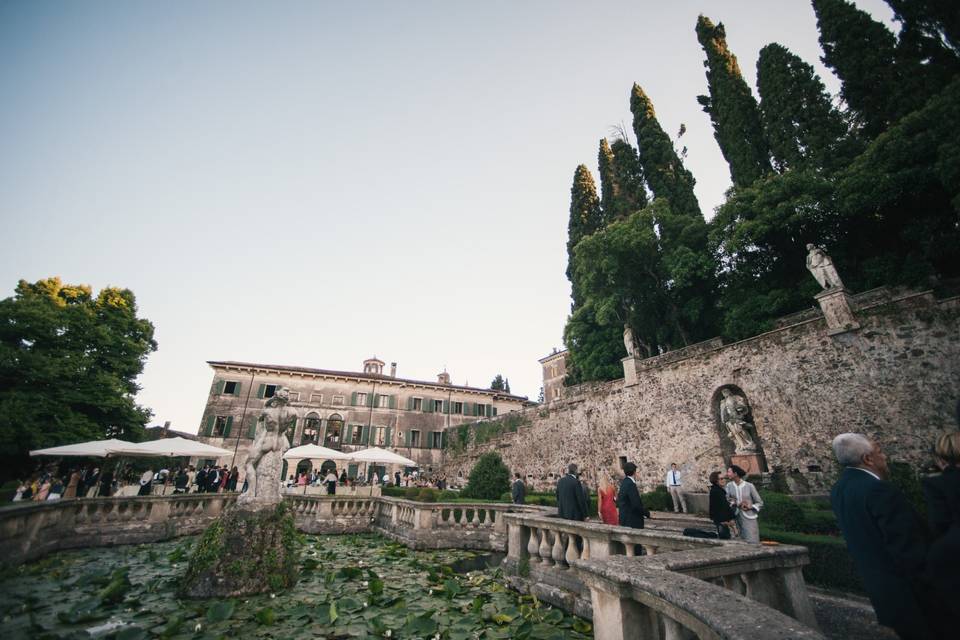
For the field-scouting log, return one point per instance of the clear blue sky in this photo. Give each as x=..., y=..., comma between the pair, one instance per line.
x=313, y=183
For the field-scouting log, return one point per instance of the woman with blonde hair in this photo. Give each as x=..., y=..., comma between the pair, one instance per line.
x=606, y=494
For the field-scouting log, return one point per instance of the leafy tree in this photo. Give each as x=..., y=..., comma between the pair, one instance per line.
x=540, y=396
x=497, y=384
x=489, y=478
x=732, y=108
x=802, y=126
x=68, y=367
x=662, y=167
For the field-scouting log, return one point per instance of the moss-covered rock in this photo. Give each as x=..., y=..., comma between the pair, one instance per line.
x=244, y=552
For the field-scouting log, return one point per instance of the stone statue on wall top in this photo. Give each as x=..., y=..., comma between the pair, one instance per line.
x=629, y=342
x=266, y=453
x=734, y=411
x=821, y=266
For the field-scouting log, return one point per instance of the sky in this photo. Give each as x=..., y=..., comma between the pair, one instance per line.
x=314, y=183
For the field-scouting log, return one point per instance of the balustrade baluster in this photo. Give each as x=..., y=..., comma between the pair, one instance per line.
x=557, y=551
x=631, y=552
x=533, y=545
x=475, y=520
x=545, y=547
x=585, y=554
x=573, y=554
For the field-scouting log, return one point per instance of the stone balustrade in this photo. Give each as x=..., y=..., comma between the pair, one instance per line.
x=333, y=514
x=555, y=559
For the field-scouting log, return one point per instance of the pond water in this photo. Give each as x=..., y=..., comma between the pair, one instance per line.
x=353, y=586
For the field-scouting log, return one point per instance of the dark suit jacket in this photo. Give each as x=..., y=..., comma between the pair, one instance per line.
x=886, y=539
x=570, y=499
x=720, y=509
x=942, y=494
x=630, y=504
x=518, y=491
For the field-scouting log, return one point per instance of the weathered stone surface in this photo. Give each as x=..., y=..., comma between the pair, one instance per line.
x=896, y=379
x=242, y=553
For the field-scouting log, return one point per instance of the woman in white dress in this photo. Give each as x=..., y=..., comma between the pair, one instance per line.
x=745, y=499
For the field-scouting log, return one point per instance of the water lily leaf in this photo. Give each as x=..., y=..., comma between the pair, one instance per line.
x=119, y=584
x=132, y=633
x=554, y=616
x=83, y=611
x=582, y=626
x=376, y=586
x=265, y=616
x=333, y=612
x=422, y=625
x=350, y=605
x=220, y=611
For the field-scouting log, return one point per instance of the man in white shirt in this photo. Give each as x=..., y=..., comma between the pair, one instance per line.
x=674, y=488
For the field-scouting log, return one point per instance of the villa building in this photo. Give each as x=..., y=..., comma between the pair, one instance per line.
x=346, y=410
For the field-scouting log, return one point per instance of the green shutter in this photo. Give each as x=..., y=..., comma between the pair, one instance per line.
x=446, y=406
x=429, y=435
x=406, y=438
x=489, y=410
x=474, y=408
x=226, y=430
x=252, y=427
x=208, y=429
x=347, y=434
x=260, y=390
x=410, y=403
x=369, y=399
x=353, y=399
x=352, y=471
x=388, y=437
x=220, y=385
x=365, y=435
x=427, y=405
x=494, y=412
x=466, y=408
x=392, y=400
x=236, y=389
x=443, y=439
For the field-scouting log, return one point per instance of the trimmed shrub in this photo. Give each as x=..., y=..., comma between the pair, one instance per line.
x=830, y=563
x=411, y=493
x=657, y=500
x=447, y=494
x=488, y=479
x=781, y=511
x=821, y=522
x=426, y=494
x=393, y=492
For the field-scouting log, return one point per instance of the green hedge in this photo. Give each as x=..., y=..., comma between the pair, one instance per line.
x=658, y=499
x=830, y=563
x=820, y=522
x=782, y=511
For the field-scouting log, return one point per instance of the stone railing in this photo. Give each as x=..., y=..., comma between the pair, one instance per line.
x=565, y=563
x=333, y=514
x=33, y=530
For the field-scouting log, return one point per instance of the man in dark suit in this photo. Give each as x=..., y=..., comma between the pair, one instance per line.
x=518, y=491
x=571, y=502
x=884, y=536
x=629, y=502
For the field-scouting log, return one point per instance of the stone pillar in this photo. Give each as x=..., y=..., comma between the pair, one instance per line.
x=518, y=537
x=600, y=548
x=784, y=590
x=630, y=371
x=835, y=304
x=618, y=617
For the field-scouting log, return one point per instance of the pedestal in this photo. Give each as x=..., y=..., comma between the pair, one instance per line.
x=835, y=304
x=752, y=463
x=629, y=371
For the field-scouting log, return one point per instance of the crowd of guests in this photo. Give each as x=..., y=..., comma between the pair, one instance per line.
x=331, y=480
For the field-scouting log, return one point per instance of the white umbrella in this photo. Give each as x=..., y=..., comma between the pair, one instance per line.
x=93, y=448
x=172, y=448
x=314, y=452
x=376, y=454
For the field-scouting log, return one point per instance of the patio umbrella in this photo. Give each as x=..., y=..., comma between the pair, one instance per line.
x=314, y=452
x=93, y=449
x=172, y=448
x=376, y=454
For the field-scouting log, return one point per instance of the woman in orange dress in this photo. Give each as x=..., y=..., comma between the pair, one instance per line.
x=608, y=508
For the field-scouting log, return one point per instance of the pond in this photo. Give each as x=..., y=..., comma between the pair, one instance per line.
x=352, y=586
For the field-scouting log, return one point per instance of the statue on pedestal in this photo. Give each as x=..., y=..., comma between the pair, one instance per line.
x=265, y=457
x=733, y=415
x=821, y=266
x=629, y=342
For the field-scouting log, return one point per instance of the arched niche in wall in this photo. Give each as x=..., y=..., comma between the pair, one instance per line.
x=733, y=417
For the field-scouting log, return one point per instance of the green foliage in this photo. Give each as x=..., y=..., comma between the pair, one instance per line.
x=585, y=214
x=497, y=384
x=830, y=563
x=803, y=128
x=732, y=108
x=411, y=493
x=622, y=185
x=934, y=21
x=68, y=367
x=594, y=350
x=488, y=479
x=782, y=511
x=427, y=494
x=657, y=500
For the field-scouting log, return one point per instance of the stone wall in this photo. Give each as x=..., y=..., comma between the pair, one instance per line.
x=896, y=379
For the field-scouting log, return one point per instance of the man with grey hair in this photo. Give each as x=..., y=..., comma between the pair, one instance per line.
x=884, y=536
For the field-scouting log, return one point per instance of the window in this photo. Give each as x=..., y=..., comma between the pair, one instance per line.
x=438, y=406
x=417, y=404
x=269, y=390
x=437, y=439
x=311, y=430
x=556, y=392
x=334, y=426
x=383, y=401
x=361, y=399
x=357, y=434
x=316, y=398
x=481, y=410
x=379, y=436
x=230, y=388
x=414, y=438
x=294, y=395
x=220, y=426
x=337, y=401
x=457, y=407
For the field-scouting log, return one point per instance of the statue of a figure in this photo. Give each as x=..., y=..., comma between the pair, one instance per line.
x=821, y=266
x=628, y=341
x=266, y=452
x=733, y=414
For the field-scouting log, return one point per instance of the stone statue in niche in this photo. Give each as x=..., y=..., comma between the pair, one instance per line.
x=734, y=411
x=266, y=452
x=629, y=342
x=821, y=266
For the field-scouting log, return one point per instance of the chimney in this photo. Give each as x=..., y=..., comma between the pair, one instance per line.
x=443, y=378
x=393, y=369
x=166, y=428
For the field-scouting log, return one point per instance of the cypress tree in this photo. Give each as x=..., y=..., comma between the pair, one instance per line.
x=800, y=123
x=632, y=192
x=663, y=169
x=863, y=54
x=732, y=108
x=608, y=181
x=935, y=21
x=585, y=217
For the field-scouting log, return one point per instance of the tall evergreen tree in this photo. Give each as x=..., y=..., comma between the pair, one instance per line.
x=608, y=180
x=585, y=215
x=732, y=108
x=662, y=167
x=878, y=85
x=800, y=123
x=935, y=21
x=621, y=180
